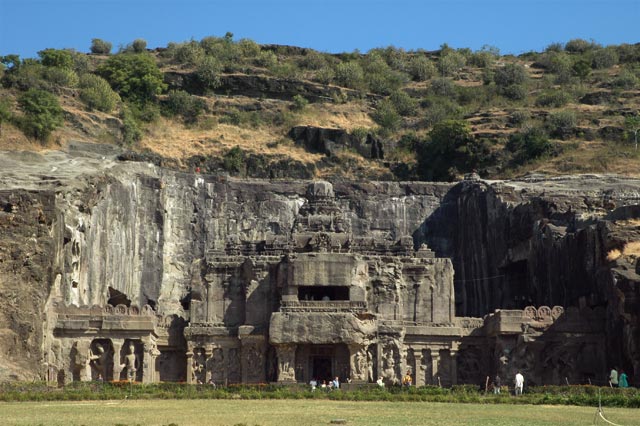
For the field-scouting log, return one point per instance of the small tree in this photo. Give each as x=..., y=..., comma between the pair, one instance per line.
x=349, y=74
x=96, y=93
x=386, y=116
x=421, y=68
x=299, y=103
x=183, y=104
x=56, y=58
x=509, y=75
x=42, y=113
x=208, y=72
x=139, y=45
x=135, y=76
x=582, y=69
x=451, y=148
x=100, y=47
x=451, y=62
x=632, y=124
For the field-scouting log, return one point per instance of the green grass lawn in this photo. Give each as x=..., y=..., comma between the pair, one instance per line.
x=299, y=413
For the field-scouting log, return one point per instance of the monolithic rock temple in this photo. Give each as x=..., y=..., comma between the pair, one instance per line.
x=120, y=270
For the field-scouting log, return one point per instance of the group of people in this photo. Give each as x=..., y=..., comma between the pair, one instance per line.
x=518, y=383
x=618, y=378
x=332, y=385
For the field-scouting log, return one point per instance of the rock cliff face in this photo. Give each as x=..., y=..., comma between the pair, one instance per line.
x=81, y=228
x=568, y=241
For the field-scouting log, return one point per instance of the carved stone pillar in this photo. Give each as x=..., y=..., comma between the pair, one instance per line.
x=404, y=365
x=117, y=365
x=418, y=367
x=286, y=362
x=208, y=353
x=453, y=355
x=149, y=362
x=190, y=366
x=82, y=360
x=435, y=360
x=227, y=364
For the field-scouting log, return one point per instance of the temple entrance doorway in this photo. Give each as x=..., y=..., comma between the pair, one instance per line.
x=321, y=368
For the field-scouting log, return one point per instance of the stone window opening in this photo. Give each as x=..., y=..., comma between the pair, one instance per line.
x=323, y=293
x=118, y=298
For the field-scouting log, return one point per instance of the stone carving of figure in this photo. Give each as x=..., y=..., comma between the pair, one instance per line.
x=130, y=363
x=389, y=365
x=286, y=356
x=199, y=368
x=361, y=364
x=369, y=365
x=98, y=361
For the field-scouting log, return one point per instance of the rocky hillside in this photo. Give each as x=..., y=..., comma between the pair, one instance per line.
x=278, y=111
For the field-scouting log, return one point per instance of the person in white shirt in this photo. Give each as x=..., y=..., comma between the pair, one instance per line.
x=519, y=383
x=613, y=377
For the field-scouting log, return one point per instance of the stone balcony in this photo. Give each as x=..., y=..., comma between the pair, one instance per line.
x=340, y=306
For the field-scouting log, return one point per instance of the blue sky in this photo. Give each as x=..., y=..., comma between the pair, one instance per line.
x=514, y=26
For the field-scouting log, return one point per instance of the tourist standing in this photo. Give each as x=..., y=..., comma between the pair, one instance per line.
x=497, y=382
x=336, y=383
x=613, y=377
x=622, y=380
x=519, y=382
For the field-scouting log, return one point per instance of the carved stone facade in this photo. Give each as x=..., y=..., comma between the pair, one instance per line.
x=318, y=302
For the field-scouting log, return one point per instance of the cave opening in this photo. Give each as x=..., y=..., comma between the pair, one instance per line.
x=323, y=293
x=518, y=295
x=118, y=298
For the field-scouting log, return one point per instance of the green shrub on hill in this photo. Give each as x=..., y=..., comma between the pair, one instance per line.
x=386, y=116
x=56, y=58
x=451, y=62
x=189, y=54
x=451, y=149
x=42, y=113
x=562, y=123
x=208, y=72
x=578, y=45
x=421, y=68
x=100, y=47
x=403, y=103
x=5, y=112
x=439, y=108
x=349, y=74
x=604, y=58
x=96, y=93
x=510, y=74
x=131, y=131
x=529, y=145
x=626, y=79
x=183, y=104
x=134, y=76
x=553, y=98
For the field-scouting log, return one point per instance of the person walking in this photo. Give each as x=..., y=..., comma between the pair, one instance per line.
x=519, y=382
x=613, y=377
